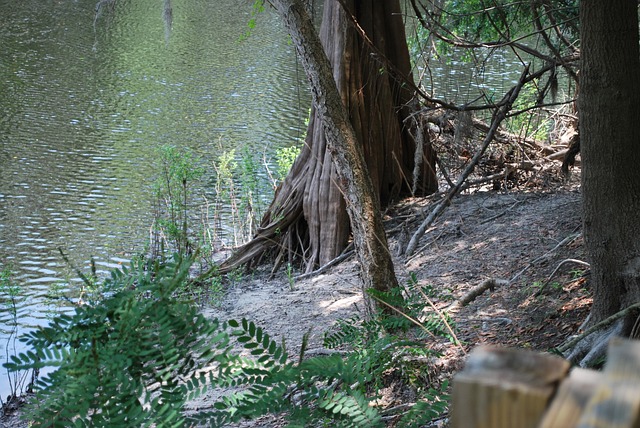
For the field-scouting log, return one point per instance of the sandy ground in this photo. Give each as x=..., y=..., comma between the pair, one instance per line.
x=519, y=236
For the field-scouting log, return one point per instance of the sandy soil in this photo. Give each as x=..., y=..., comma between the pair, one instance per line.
x=519, y=236
x=516, y=236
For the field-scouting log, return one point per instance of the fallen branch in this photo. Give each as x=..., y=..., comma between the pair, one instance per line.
x=605, y=322
x=537, y=293
x=346, y=254
x=499, y=115
x=471, y=295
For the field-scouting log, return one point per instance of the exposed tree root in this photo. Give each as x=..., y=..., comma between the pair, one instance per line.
x=591, y=350
x=546, y=255
x=588, y=348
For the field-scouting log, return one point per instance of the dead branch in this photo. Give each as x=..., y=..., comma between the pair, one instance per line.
x=418, y=156
x=471, y=295
x=498, y=117
x=537, y=293
x=346, y=254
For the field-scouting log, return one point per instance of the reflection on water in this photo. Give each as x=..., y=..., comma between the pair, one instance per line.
x=84, y=111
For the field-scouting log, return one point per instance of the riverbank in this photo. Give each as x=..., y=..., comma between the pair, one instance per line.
x=520, y=236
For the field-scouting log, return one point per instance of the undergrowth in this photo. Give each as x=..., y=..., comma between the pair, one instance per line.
x=139, y=354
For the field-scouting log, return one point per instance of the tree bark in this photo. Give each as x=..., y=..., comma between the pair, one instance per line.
x=352, y=177
x=308, y=217
x=609, y=111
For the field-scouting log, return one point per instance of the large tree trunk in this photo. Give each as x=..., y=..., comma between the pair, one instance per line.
x=308, y=216
x=609, y=109
x=352, y=177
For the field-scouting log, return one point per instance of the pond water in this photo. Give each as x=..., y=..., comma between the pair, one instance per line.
x=86, y=103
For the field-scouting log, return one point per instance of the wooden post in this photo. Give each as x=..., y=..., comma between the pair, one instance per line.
x=570, y=400
x=504, y=388
x=607, y=399
x=615, y=403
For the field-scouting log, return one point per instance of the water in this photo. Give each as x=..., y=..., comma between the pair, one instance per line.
x=85, y=109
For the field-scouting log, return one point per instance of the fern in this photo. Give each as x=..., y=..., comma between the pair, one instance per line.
x=333, y=388
x=136, y=354
x=433, y=404
x=128, y=360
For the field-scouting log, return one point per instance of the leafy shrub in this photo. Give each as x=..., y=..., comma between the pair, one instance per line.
x=127, y=360
x=135, y=357
x=178, y=171
x=285, y=157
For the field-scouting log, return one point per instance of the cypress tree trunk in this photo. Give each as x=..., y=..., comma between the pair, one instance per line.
x=308, y=217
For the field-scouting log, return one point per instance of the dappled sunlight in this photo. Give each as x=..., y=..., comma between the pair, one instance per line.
x=336, y=305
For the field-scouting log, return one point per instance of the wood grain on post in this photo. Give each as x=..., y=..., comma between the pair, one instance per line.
x=615, y=402
x=504, y=388
x=572, y=397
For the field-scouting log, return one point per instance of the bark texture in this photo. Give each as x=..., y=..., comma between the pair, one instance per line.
x=308, y=216
x=609, y=109
x=351, y=175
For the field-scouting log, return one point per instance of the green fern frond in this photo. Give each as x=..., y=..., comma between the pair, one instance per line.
x=352, y=406
x=434, y=404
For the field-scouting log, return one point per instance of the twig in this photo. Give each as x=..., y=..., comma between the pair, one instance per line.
x=487, y=220
x=413, y=320
x=537, y=293
x=566, y=240
x=443, y=318
x=325, y=267
x=394, y=411
x=498, y=117
x=443, y=170
x=598, y=326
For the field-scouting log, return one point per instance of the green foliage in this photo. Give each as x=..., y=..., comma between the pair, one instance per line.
x=290, y=278
x=472, y=20
x=314, y=391
x=10, y=296
x=257, y=8
x=529, y=121
x=137, y=354
x=238, y=188
x=285, y=157
x=128, y=360
x=11, y=308
x=178, y=171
